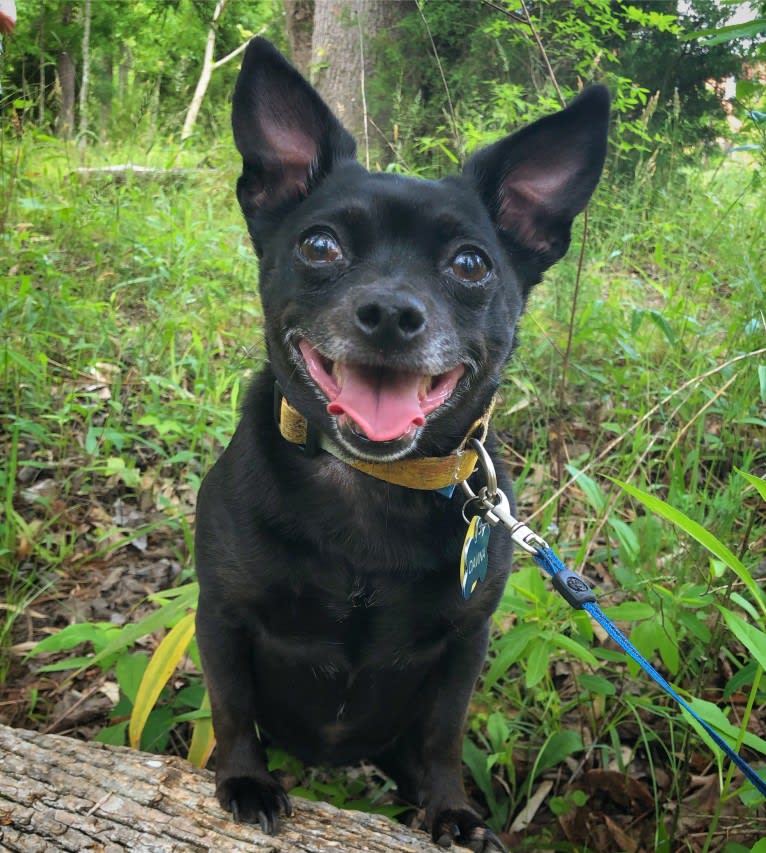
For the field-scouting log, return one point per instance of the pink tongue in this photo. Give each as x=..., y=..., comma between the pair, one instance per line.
x=385, y=406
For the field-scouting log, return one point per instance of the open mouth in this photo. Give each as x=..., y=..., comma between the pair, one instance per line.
x=379, y=403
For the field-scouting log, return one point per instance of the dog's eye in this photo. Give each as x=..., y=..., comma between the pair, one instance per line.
x=470, y=266
x=320, y=248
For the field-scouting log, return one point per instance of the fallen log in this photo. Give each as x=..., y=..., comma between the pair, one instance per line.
x=61, y=794
x=122, y=172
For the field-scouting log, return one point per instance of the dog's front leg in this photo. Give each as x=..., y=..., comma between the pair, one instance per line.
x=426, y=762
x=244, y=785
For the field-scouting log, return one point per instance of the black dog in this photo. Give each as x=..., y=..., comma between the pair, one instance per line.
x=331, y=611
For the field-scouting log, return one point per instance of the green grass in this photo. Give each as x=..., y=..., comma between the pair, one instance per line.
x=130, y=321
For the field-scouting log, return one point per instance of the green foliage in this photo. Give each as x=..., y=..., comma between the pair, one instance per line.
x=130, y=320
x=497, y=79
x=145, y=60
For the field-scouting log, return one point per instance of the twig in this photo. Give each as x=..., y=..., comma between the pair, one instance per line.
x=364, y=96
x=539, y=43
x=685, y=428
x=453, y=119
x=612, y=444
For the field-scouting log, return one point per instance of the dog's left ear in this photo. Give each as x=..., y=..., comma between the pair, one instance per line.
x=536, y=181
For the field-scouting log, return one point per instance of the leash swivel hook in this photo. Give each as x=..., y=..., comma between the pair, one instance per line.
x=494, y=507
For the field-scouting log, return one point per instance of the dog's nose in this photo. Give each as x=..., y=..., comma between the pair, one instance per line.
x=392, y=318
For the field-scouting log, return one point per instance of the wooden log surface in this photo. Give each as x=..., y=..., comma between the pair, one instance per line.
x=122, y=172
x=61, y=794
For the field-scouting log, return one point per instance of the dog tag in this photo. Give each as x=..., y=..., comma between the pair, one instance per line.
x=474, y=559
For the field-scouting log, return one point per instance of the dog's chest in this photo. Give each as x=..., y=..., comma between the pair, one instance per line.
x=340, y=621
x=339, y=669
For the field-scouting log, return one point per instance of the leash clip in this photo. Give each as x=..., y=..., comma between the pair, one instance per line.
x=494, y=506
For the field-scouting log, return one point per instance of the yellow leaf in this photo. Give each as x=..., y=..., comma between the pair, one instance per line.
x=161, y=666
x=203, y=738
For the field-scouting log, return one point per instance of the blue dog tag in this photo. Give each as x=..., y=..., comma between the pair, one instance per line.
x=474, y=559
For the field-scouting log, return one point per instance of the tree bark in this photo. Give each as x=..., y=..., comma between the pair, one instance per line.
x=41, y=98
x=123, y=72
x=66, y=77
x=344, y=55
x=300, y=26
x=65, y=71
x=85, y=82
x=61, y=794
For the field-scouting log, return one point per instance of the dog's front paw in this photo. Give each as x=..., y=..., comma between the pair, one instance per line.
x=253, y=799
x=463, y=827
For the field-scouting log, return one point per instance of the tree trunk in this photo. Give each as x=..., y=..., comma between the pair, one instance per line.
x=60, y=794
x=123, y=72
x=300, y=26
x=85, y=82
x=344, y=54
x=65, y=72
x=41, y=48
x=66, y=77
x=104, y=94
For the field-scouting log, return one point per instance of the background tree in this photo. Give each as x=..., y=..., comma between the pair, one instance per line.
x=345, y=47
x=299, y=21
x=66, y=35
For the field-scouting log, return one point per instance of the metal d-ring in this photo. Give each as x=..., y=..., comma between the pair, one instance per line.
x=488, y=494
x=487, y=467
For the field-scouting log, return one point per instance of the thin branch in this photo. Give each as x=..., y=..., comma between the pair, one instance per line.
x=453, y=119
x=219, y=62
x=642, y=420
x=538, y=41
x=362, y=82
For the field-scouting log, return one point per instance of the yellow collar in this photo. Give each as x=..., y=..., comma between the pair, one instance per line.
x=427, y=473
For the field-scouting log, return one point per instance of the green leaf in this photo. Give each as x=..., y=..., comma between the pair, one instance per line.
x=596, y=684
x=477, y=762
x=698, y=532
x=752, y=638
x=630, y=611
x=715, y=717
x=574, y=648
x=130, y=669
x=667, y=644
x=749, y=29
x=661, y=322
x=510, y=648
x=558, y=747
x=497, y=731
x=627, y=538
x=644, y=638
x=166, y=615
x=113, y=735
x=73, y=635
x=537, y=662
x=591, y=489
x=758, y=482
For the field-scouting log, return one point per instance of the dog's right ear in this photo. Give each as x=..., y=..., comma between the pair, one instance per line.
x=287, y=136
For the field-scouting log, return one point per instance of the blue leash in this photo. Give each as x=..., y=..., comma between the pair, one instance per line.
x=492, y=504
x=580, y=596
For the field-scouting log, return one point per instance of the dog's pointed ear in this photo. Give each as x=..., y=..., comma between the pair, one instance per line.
x=536, y=181
x=287, y=136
